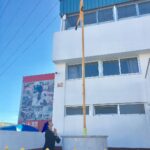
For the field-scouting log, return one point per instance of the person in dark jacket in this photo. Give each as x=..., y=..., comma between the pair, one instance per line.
x=45, y=127
x=51, y=137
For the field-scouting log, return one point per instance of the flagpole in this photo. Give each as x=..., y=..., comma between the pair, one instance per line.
x=83, y=72
x=81, y=20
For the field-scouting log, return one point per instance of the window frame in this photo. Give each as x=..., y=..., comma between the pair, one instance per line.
x=119, y=58
x=71, y=15
x=101, y=68
x=118, y=109
x=114, y=11
x=75, y=106
x=106, y=8
x=67, y=71
x=88, y=12
x=132, y=113
x=139, y=70
x=104, y=105
x=108, y=60
x=91, y=63
x=124, y=5
x=139, y=8
x=74, y=64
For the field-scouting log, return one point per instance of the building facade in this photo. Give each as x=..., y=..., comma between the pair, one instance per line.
x=117, y=74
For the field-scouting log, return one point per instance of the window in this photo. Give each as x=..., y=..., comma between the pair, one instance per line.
x=144, y=8
x=108, y=109
x=91, y=69
x=105, y=15
x=126, y=11
x=71, y=21
x=129, y=65
x=90, y=18
x=110, y=67
x=132, y=109
x=76, y=110
x=74, y=71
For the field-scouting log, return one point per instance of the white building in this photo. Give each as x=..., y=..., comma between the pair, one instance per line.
x=117, y=52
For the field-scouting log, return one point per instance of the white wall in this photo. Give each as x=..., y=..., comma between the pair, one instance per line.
x=59, y=96
x=126, y=35
x=147, y=80
x=147, y=86
x=123, y=130
x=144, y=58
x=17, y=140
x=114, y=89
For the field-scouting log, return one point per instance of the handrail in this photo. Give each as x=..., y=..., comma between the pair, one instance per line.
x=147, y=68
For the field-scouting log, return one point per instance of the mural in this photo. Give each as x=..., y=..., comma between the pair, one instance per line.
x=37, y=100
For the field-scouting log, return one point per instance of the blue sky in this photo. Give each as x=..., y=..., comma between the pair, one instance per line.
x=26, y=37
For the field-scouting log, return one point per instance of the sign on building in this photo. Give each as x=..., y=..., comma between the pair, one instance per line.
x=37, y=100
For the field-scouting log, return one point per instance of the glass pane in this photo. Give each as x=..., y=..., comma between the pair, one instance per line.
x=112, y=109
x=71, y=21
x=110, y=67
x=90, y=18
x=74, y=71
x=76, y=110
x=144, y=8
x=126, y=11
x=132, y=109
x=105, y=15
x=129, y=65
x=91, y=69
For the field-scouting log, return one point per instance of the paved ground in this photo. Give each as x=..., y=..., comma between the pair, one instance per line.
x=128, y=149
x=59, y=148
